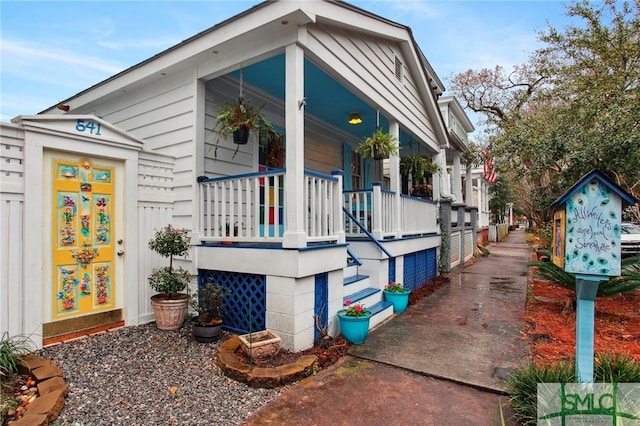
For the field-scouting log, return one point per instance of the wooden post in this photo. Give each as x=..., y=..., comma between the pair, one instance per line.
x=586, y=289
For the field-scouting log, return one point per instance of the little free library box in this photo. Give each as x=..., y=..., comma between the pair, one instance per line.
x=586, y=243
x=586, y=226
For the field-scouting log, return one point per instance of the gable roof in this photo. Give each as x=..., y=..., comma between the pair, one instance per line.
x=270, y=13
x=587, y=178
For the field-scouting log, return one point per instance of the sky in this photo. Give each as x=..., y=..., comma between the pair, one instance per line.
x=52, y=50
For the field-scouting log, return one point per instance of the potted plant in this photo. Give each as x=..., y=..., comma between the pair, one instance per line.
x=239, y=118
x=354, y=322
x=170, y=304
x=422, y=190
x=414, y=166
x=398, y=295
x=379, y=145
x=260, y=344
x=210, y=307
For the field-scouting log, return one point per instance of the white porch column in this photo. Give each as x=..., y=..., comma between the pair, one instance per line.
x=468, y=186
x=444, y=182
x=478, y=190
x=294, y=233
x=395, y=181
x=457, y=177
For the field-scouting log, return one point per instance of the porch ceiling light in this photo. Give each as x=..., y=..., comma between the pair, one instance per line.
x=354, y=118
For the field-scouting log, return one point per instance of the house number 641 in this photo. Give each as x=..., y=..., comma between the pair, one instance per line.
x=84, y=125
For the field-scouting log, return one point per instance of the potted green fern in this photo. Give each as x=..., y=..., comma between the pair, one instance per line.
x=239, y=118
x=414, y=166
x=379, y=145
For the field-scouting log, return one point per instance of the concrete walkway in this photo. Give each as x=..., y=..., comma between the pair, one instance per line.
x=467, y=332
x=439, y=363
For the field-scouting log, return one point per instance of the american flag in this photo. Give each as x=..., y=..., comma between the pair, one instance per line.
x=488, y=169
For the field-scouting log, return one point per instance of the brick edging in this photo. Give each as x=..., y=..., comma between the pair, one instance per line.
x=51, y=392
x=259, y=377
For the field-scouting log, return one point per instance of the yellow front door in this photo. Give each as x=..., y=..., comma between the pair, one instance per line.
x=83, y=231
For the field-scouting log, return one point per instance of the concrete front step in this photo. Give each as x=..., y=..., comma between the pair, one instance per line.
x=354, y=283
x=381, y=311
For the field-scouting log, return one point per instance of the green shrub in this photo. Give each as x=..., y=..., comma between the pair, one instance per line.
x=12, y=349
x=616, y=368
x=522, y=385
x=545, y=233
x=629, y=280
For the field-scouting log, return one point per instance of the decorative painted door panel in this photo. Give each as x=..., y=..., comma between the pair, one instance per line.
x=83, y=229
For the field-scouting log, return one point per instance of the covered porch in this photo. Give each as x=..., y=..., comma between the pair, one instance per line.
x=253, y=208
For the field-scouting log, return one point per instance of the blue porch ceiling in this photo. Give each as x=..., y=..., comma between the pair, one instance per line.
x=327, y=99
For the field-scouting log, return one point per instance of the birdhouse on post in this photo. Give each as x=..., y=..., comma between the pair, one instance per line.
x=586, y=243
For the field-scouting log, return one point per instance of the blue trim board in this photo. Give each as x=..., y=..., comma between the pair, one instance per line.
x=354, y=279
x=379, y=307
x=359, y=295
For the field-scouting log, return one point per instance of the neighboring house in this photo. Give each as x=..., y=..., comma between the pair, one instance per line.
x=481, y=199
x=316, y=227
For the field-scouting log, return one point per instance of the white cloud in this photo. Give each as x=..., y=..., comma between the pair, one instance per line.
x=16, y=56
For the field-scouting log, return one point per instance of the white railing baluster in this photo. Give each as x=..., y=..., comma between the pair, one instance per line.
x=250, y=205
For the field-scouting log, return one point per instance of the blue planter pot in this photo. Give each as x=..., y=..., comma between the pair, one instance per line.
x=354, y=329
x=399, y=300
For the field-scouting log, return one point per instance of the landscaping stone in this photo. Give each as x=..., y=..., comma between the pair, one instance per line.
x=30, y=419
x=54, y=383
x=46, y=371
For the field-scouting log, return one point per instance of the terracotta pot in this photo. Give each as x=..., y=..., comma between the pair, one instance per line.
x=169, y=313
x=261, y=344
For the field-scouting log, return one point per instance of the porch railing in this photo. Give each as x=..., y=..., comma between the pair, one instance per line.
x=418, y=216
x=375, y=210
x=251, y=208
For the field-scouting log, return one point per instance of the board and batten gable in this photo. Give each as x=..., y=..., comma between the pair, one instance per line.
x=368, y=67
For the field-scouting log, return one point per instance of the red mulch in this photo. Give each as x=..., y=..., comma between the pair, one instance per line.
x=551, y=323
x=426, y=290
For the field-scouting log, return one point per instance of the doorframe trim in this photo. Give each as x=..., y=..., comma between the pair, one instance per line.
x=48, y=133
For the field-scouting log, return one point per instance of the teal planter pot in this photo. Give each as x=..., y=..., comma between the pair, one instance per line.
x=354, y=329
x=399, y=300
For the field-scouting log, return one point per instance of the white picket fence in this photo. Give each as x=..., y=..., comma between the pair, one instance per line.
x=14, y=303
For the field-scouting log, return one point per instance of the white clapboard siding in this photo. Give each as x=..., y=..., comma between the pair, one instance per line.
x=13, y=303
x=155, y=210
x=162, y=114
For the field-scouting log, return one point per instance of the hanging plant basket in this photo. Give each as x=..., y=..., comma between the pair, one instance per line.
x=379, y=155
x=378, y=146
x=239, y=118
x=241, y=135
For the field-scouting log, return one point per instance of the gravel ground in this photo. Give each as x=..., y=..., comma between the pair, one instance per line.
x=144, y=376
